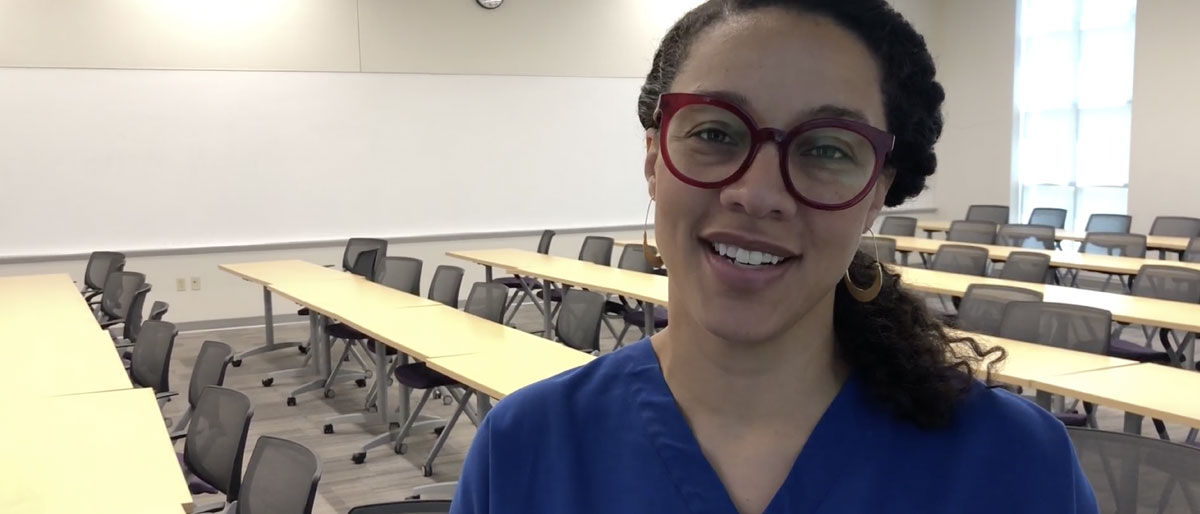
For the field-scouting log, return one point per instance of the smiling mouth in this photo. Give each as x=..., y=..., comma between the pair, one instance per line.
x=745, y=258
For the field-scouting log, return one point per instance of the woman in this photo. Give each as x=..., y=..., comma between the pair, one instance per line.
x=785, y=383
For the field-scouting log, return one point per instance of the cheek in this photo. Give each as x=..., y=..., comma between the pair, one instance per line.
x=834, y=236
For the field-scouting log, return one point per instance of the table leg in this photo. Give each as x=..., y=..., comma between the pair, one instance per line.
x=483, y=404
x=648, y=314
x=1044, y=400
x=546, y=312
x=487, y=273
x=320, y=357
x=269, y=324
x=311, y=364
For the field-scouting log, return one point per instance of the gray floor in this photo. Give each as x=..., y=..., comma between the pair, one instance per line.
x=385, y=476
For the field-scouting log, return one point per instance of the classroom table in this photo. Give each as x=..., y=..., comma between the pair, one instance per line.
x=61, y=362
x=92, y=452
x=1058, y=258
x=1160, y=243
x=1027, y=362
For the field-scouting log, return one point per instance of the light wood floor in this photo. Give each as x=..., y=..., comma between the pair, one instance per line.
x=385, y=476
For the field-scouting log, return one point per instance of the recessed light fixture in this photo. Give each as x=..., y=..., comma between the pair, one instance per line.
x=489, y=4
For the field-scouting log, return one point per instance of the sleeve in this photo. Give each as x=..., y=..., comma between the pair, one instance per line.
x=472, y=495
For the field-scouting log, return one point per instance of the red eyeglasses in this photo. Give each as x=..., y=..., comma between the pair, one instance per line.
x=826, y=163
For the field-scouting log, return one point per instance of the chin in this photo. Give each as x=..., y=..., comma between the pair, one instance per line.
x=743, y=327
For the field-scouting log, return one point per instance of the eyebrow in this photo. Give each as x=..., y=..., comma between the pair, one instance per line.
x=823, y=111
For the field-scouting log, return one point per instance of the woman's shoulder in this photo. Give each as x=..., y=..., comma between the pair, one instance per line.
x=1001, y=416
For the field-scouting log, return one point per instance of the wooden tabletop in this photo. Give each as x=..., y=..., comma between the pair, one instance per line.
x=499, y=372
x=99, y=452
x=641, y=286
x=1152, y=390
x=1027, y=362
x=276, y=272
x=345, y=299
x=504, y=258
x=437, y=331
x=1060, y=259
x=1152, y=242
x=60, y=364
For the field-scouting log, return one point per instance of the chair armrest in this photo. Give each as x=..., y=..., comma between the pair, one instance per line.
x=88, y=295
x=168, y=394
x=111, y=323
x=177, y=436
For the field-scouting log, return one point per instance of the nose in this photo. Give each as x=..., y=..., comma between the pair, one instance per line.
x=760, y=192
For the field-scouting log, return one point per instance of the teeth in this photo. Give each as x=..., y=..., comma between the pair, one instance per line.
x=746, y=257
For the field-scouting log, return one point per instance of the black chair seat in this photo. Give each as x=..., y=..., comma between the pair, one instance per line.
x=303, y=312
x=387, y=350
x=515, y=283
x=1072, y=419
x=615, y=307
x=1135, y=352
x=419, y=376
x=343, y=331
x=555, y=295
x=637, y=318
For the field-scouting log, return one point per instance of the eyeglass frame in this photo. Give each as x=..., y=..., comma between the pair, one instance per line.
x=669, y=104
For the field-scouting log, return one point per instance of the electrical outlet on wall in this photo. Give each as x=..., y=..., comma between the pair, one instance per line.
x=195, y=283
x=180, y=284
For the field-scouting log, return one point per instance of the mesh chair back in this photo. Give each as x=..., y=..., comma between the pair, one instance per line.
x=158, y=310
x=967, y=260
x=1074, y=327
x=1175, y=226
x=150, y=363
x=447, y=282
x=1192, y=253
x=100, y=265
x=1026, y=236
x=402, y=274
x=982, y=306
x=884, y=246
x=1164, y=473
x=579, y=320
x=405, y=507
x=487, y=300
x=1117, y=223
x=217, y=438
x=133, y=318
x=633, y=258
x=597, y=249
x=898, y=226
x=997, y=214
x=119, y=289
x=1051, y=217
x=1026, y=267
x=281, y=478
x=978, y=232
x=209, y=370
x=365, y=264
x=1167, y=283
x=359, y=245
x=1114, y=243
x=544, y=243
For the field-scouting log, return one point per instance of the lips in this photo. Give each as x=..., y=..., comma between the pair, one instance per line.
x=746, y=263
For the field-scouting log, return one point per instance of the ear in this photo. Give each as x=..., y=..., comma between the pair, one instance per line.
x=651, y=160
x=878, y=195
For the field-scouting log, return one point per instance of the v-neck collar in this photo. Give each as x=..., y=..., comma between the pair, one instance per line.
x=845, y=434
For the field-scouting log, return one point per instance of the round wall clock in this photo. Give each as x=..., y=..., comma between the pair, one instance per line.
x=489, y=4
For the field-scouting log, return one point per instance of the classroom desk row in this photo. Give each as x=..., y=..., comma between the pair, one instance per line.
x=1167, y=243
x=77, y=436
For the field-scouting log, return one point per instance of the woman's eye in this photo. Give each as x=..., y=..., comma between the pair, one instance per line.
x=712, y=135
x=827, y=152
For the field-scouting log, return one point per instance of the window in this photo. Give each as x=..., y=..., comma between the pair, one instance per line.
x=1074, y=95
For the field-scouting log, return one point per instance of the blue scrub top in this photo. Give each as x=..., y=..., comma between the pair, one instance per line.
x=609, y=438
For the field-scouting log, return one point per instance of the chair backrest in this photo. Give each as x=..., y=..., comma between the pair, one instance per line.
x=1192, y=253
x=544, y=243
x=487, y=300
x=898, y=226
x=979, y=232
x=216, y=438
x=579, y=319
x=159, y=309
x=405, y=507
x=365, y=265
x=1026, y=236
x=997, y=214
x=402, y=274
x=597, y=249
x=1118, y=223
x=1048, y=216
x=1026, y=267
x=1074, y=327
x=281, y=478
x=100, y=265
x=119, y=289
x=446, y=284
x=150, y=363
x=633, y=258
x=967, y=260
x=1175, y=226
x=1114, y=243
x=1153, y=464
x=209, y=370
x=982, y=306
x=358, y=245
x=884, y=246
x=133, y=318
x=1167, y=283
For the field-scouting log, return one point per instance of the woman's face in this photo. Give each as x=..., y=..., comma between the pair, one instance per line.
x=782, y=69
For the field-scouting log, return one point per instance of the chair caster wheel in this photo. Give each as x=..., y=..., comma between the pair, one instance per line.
x=401, y=449
x=447, y=400
x=428, y=470
x=266, y=382
x=302, y=349
x=362, y=382
x=414, y=497
x=438, y=432
x=359, y=458
x=330, y=393
x=394, y=426
x=237, y=363
x=291, y=401
x=328, y=429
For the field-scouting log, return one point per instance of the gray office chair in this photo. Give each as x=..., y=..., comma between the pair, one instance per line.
x=1026, y=236
x=596, y=250
x=982, y=306
x=366, y=265
x=522, y=285
x=1115, y=223
x=978, y=232
x=967, y=260
x=1052, y=217
x=100, y=265
x=632, y=259
x=1126, y=469
x=212, y=453
x=482, y=301
x=405, y=507
x=1112, y=243
x=116, y=305
x=997, y=214
x=281, y=478
x=1174, y=226
x=209, y=370
x=578, y=324
x=898, y=226
x=886, y=246
x=150, y=362
x=1192, y=253
x=1164, y=283
x=1026, y=267
x=158, y=310
x=350, y=256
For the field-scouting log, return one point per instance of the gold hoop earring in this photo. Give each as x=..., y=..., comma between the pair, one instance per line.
x=651, y=253
x=871, y=292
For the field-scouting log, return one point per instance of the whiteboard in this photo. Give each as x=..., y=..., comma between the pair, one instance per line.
x=149, y=159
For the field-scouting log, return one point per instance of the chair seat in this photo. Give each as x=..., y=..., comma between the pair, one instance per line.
x=515, y=282
x=343, y=331
x=194, y=483
x=419, y=376
x=555, y=295
x=303, y=312
x=1072, y=419
x=636, y=317
x=387, y=350
x=615, y=307
x=1136, y=352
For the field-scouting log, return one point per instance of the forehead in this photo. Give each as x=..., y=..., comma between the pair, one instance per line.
x=785, y=63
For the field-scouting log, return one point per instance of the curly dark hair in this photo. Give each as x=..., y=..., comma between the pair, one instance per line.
x=907, y=359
